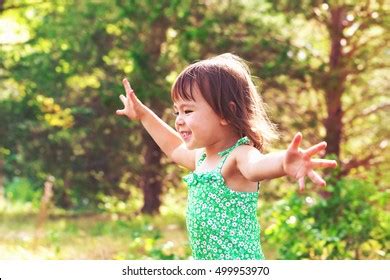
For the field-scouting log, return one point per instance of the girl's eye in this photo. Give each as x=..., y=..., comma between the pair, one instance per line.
x=186, y=112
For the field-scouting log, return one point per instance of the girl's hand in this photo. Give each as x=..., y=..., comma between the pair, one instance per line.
x=134, y=109
x=298, y=163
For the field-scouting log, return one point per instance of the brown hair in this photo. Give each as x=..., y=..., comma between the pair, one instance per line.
x=225, y=83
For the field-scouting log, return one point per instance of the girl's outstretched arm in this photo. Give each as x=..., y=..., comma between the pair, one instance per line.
x=294, y=162
x=165, y=136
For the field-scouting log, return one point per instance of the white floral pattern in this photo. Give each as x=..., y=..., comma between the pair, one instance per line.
x=222, y=223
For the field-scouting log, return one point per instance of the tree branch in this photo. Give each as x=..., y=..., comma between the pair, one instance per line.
x=373, y=109
x=353, y=163
x=369, y=111
x=20, y=6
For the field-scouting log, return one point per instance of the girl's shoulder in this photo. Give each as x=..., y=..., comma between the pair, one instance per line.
x=245, y=153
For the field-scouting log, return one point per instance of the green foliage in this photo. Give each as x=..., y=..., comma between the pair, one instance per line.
x=59, y=88
x=347, y=221
x=121, y=207
x=22, y=190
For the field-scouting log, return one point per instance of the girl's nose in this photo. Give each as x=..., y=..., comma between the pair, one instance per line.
x=179, y=120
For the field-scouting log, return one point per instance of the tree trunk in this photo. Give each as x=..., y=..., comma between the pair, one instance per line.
x=2, y=192
x=334, y=84
x=333, y=123
x=151, y=182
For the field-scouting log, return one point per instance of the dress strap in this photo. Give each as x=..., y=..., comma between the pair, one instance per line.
x=201, y=159
x=225, y=154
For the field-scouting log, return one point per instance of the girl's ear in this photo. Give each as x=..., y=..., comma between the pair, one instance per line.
x=232, y=109
x=224, y=122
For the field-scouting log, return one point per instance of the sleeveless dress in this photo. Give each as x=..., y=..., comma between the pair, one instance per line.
x=222, y=223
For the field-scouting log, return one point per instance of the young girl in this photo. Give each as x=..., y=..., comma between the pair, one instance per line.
x=221, y=130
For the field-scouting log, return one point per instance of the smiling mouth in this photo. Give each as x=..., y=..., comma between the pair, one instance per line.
x=185, y=135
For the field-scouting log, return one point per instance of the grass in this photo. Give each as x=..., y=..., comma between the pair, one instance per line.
x=68, y=235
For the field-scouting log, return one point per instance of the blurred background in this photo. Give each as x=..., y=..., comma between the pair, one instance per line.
x=79, y=182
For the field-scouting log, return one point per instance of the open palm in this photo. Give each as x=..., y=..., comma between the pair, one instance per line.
x=133, y=107
x=298, y=163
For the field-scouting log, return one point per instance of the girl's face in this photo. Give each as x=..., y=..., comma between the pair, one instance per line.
x=197, y=123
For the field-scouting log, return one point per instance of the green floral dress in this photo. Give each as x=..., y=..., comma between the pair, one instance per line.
x=222, y=223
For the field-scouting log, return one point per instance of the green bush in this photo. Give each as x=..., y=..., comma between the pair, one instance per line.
x=348, y=221
x=22, y=190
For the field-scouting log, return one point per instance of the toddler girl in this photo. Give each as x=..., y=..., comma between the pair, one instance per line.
x=221, y=130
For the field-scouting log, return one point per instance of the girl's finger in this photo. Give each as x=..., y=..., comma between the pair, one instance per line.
x=122, y=98
x=301, y=183
x=316, y=179
x=294, y=145
x=315, y=149
x=132, y=97
x=127, y=86
x=323, y=163
x=129, y=91
x=120, y=112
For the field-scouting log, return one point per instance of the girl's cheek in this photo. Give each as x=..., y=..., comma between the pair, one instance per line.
x=188, y=120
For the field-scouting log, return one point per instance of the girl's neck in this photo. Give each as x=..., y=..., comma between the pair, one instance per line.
x=224, y=141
